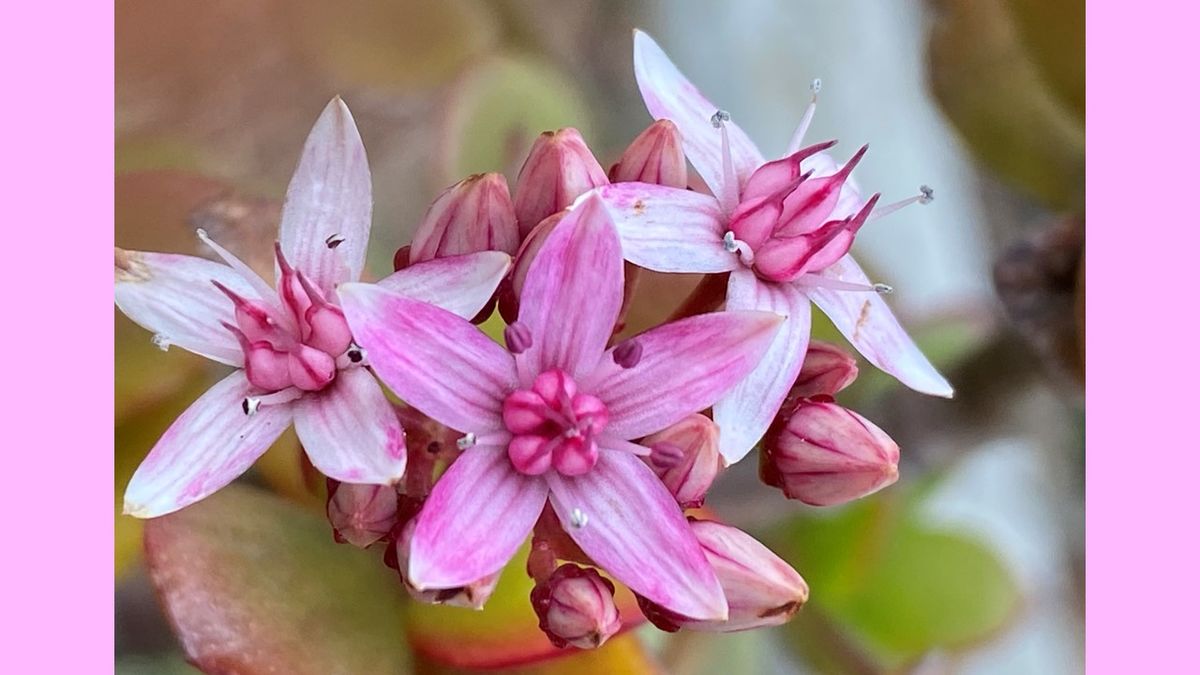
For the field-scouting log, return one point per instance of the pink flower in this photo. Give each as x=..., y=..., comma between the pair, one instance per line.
x=556, y=420
x=291, y=345
x=823, y=454
x=781, y=228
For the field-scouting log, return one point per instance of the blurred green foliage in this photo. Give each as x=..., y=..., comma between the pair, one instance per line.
x=1009, y=74
x=253, y=583
x=892, y=586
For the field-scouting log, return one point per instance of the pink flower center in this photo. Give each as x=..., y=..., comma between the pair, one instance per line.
x=298, y=347
x=553, y=426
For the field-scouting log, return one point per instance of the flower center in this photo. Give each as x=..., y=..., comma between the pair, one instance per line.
x=297, y=345
x=553, y=426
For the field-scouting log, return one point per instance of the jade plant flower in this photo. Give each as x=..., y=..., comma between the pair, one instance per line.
x=294, y=354
x=554, y=417
x=781, y=228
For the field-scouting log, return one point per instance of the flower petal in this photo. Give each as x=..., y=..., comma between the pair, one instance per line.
x=329, y=196
x=622, y=516
x=669, y=230
x=572, y=292
x=173, y=296
x=350, y=430
x=685, y=366
x=210, y=444
x=669, y=95
x=477, y=516
x=868, y=323
x=747, y=410
x=461, y=284
x=435, y=361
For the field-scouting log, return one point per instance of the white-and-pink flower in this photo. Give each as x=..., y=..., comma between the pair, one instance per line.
x=557, y=420
x=782, y=230
x=295, y=358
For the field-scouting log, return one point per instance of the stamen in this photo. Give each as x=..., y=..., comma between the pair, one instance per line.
x=263, y=289
x=466, y=442
x=518, y=337
x=161, y=341
x=729, y=183
x=355, y=355
x=334, y=240
x=579, y=519
x=818, y=281
x=924, y=198
x=628, y=353
x=797, y=141
x=251, y=404
x=735, y=245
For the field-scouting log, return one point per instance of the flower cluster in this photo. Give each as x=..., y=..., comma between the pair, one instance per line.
x=601, y=448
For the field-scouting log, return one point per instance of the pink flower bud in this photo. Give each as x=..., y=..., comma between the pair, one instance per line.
x=575, y=607
x=473, y=215
x=559, y=168
x=685, y=457
x=760, y=587
x=510, y=293
x=361, y=514
x=472, y=596
x=655, y=156
x=823, y=454
x=827, y=370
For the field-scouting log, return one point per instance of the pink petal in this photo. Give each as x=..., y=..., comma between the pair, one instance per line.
x=685, y=367
x=208, y=446
x=462, y=284
x=476, y=518
x=173, y=296
x=622, y=516
x=868, y=323
x=669, y=230
x=350, y=430
x=435, y=361
x=572, y=292
x=669, y=95
x=329, y=196
x=849, y=198
x=747, y=410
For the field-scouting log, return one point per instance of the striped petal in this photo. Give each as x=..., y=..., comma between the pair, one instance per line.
x=869, y=325
x=669, y=230
x=622, y=516
x=462, y=284
x=350, y=430
x=745, y=412
x=208, y=446
x=329, y=199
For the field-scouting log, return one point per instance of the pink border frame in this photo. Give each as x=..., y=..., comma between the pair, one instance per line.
x=1143, y=458
x=58, y=467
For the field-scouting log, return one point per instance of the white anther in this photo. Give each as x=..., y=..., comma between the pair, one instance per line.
x=730, y=242
x=161, y=341
x=334, y=240
x=926, y=194
x=354, y=356
x=882, y=289
x=250, y=405
x=719, y=119
x=466, y=442
x=815, y=87
x=579, y=519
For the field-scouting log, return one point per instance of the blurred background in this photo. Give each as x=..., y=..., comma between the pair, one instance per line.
x=972, y=563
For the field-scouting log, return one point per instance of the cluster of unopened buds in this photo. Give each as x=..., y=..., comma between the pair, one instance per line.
x=600, y=447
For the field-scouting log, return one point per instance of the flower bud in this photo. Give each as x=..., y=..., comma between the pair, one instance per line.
x=685, y=457
x=655, y=156
x=360, y=514
x=827, y=370
x=575, y=607
x=510, y=291
x=473, y=596
x=823, y=454
x=559, y=168
x=760, y=587
x=474, y=215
